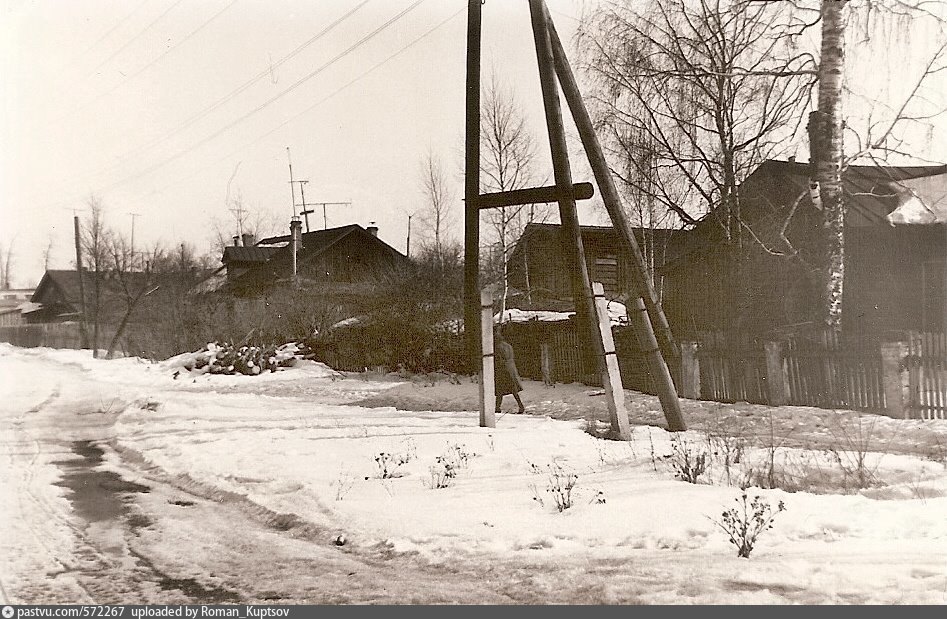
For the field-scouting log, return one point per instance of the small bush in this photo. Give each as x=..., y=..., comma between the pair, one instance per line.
x=744, y=523
x=443, y=472
x=388, y=464
x=343, y=483
x=688, y=459
x=561, y=483
x=852, y=451
x=446, y=467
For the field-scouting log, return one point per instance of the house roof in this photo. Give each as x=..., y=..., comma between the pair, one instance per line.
x=602, y=233
x=312, y=245
x=873, y=193
x=66, y=281
x=248, y=254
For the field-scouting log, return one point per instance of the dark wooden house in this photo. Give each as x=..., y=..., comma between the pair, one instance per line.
x=56, y=298
x=895, y=256
x=343, y=258
x=539, y=262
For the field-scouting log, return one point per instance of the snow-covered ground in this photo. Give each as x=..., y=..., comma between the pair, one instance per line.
x=292, y=443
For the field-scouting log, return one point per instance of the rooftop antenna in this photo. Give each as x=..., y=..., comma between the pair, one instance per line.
x=292, y=187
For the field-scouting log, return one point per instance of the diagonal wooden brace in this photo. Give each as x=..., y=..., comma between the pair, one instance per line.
x=536, y=195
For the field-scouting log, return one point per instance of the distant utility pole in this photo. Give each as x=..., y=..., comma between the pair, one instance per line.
x=407, y=245
x=133, y=216
x=83, y=336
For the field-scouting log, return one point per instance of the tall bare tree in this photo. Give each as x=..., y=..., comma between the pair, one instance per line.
x=880, y=136
x=6, y=265
x=95, y=259
x=435, y=215
x=132, y=279
x=692, y=95
x=507, y=163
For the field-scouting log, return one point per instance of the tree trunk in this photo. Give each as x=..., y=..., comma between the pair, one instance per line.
x=825, y=143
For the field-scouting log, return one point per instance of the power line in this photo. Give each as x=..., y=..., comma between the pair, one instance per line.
x=105, y=36
x=269, y=101
x=134, y=38
x=156, y=60
x=230, y=96
x=243, y=87
x=316, y=104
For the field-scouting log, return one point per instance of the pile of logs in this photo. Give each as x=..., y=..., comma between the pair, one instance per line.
x=223, y=358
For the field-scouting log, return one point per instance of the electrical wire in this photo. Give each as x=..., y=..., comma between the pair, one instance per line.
x=104, y=36
x=314, y=105
x=268, y=102
x=134, y=38
x=243, y=87
x=156, y=60
x=217, y=104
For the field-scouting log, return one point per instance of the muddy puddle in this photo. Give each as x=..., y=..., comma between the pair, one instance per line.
x=95, y=495
x=103, y=499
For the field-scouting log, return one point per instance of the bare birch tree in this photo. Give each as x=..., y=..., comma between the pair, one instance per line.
x=881, y=135
x=435, y=215
x=507, y=163
x=6, y=265
x=692, y=95
x=95, y=257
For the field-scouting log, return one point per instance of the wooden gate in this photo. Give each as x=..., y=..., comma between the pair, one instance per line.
x=926, y=364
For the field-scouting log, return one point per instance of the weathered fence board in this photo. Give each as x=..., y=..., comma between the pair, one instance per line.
x=926, y=364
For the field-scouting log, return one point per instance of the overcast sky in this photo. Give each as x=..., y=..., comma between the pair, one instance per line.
x=154, y=107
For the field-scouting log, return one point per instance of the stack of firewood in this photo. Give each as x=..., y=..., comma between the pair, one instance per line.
x=224, y=358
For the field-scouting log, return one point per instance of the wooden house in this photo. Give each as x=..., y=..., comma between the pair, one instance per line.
x=539, y=262
x=895, y=241
x=343, y=258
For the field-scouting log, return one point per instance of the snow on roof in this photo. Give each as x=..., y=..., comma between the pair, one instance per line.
x=617, y=313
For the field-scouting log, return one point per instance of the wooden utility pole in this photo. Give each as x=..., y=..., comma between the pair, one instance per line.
x=83, y=335
x=407, y=244
x=650, y=317
x=593, y=149
x=472, y=189
x=568, y=215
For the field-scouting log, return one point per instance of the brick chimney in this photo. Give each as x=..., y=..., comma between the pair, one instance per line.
x=372, y=228
x=248, y=239
x=236, y=241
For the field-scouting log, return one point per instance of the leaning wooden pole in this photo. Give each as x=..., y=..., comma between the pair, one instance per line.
x=568, y=214
x=472, y=190
x=644, y=327
x=639, y=272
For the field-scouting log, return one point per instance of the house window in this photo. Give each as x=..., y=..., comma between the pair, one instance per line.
x=605, y=270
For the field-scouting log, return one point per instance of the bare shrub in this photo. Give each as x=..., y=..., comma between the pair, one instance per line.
x=561, y=483
x=852, y=451
x=688, y=459
x=744, y=523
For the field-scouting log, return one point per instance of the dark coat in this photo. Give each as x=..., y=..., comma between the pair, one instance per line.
x=506, y=376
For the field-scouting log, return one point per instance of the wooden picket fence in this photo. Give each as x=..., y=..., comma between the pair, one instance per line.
x=732, y=368
x=926, y=365
x=827, y=372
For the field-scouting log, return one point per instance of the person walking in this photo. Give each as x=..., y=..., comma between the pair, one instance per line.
x=506, y=376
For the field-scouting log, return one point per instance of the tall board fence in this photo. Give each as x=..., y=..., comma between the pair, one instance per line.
x=906, y=378
x=52, y=335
